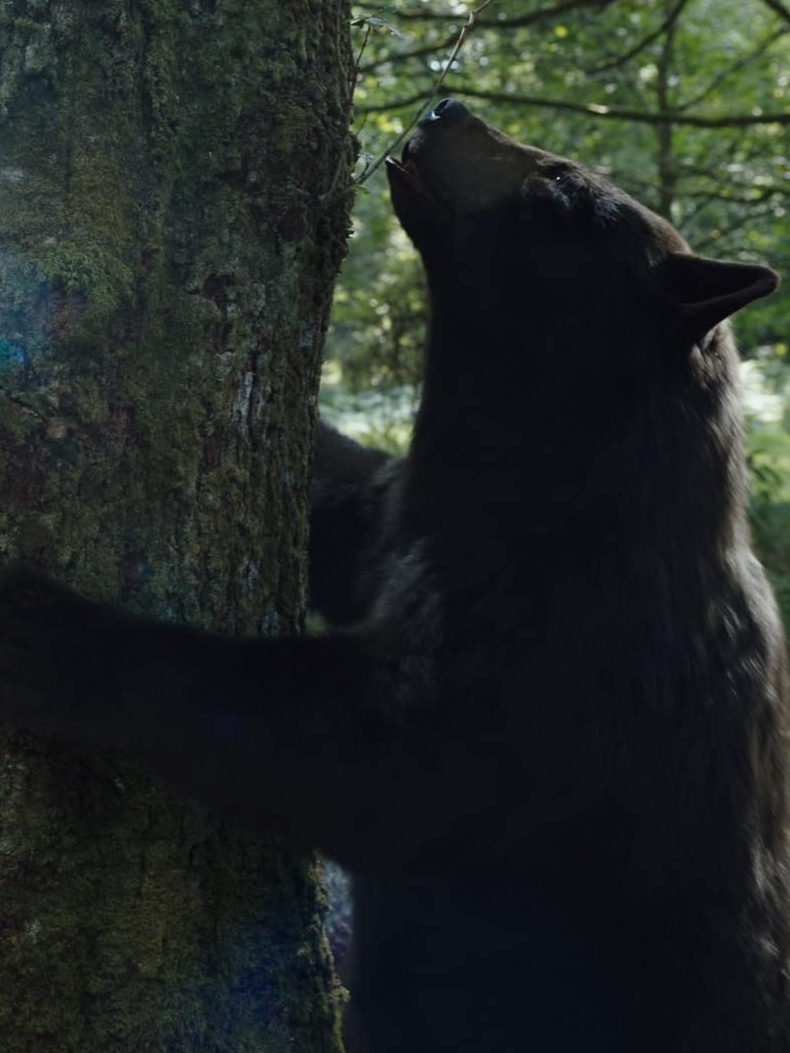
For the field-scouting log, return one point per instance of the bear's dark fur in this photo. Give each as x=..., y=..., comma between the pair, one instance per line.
x=353, y=525
x=554, y=752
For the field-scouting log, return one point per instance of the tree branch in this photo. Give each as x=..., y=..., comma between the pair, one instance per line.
x=489, y=23
x=532, y=18
x=403, y=56
x=719, y=79
x=702, y=244
x=778, y=8
x=759, y=195
x=645, y=42
x=605, y=112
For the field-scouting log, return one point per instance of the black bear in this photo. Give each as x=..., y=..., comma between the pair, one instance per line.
x=551, y=742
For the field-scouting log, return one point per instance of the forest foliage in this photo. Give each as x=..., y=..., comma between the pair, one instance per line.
x=683, y=103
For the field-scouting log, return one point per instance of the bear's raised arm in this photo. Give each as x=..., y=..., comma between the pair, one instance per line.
x=352, y=515
x=285, y=735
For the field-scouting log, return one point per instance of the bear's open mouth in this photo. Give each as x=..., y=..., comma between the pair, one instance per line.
x=408, y=172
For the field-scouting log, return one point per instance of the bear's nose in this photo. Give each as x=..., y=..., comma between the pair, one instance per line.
x=447, y=110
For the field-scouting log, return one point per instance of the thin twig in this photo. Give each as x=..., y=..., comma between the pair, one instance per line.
x=426, y=100
x=497, y=25
x=357, y=64
x=735, y=67
x=702, y=244
x=620, y=60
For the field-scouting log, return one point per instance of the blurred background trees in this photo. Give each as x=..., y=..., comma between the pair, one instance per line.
x=683, y=103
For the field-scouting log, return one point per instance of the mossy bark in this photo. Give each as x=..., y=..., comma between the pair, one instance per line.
x=172, y=217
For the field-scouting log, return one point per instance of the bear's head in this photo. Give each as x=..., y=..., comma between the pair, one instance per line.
x=516, y=239
x=573, y=331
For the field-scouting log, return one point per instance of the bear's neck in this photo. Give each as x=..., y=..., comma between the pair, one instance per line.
x=496, y=461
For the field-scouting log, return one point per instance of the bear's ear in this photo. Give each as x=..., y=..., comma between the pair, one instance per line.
x=708, y=291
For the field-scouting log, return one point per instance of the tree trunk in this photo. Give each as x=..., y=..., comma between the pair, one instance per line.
x=173, y=211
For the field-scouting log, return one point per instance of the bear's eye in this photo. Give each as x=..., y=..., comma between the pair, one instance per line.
x=560, y=175
x=556, y=174
x=563, y=185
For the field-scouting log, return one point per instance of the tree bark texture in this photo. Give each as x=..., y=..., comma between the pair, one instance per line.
x=173, y=211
